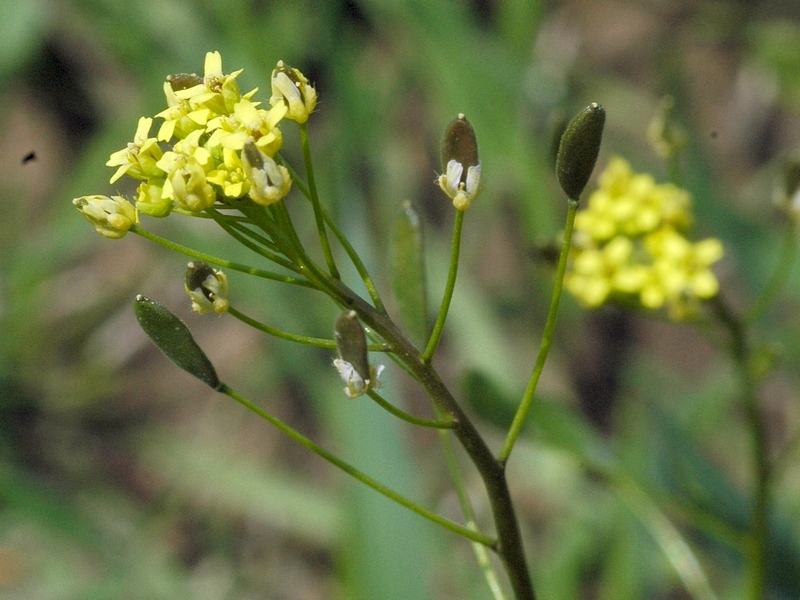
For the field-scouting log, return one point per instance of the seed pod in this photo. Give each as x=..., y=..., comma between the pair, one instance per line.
x=183, y=81
x=352, y=343
x=579, y=148
x=460, y=144
x=173, y=338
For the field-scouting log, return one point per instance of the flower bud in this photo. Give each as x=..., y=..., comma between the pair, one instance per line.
x=151, y=201
x=579, y=148
x=188, y=186
x=461, y=180
x=175, y=340
x=269, y=181
x=353, y=363
x=111, y=216
x=207, y=287
x=291, y=87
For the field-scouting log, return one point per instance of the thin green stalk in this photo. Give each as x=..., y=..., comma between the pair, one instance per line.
x=756, y=419
x=312, y=188
x=361, y=268
x=481, y=555
x=780, y=276
x=547, y=339
x=438, y=328
x=401, y=414
x=357, y=474
x=237, y=233
x=509, y=543
x=293, y=337
x=220, y=262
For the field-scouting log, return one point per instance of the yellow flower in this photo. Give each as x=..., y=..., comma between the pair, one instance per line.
x=112, y=217
x=193, y=101
x=151, y=201
x=629, y=246
x=187, y=183
x=230, y=175
x=269, y=181
x=248, y=121
x=291, y=89
x=138, y=159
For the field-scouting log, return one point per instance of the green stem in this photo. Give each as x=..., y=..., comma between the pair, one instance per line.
x=357, y=474
x=361, y=268
x=438, y=328
x=780, y=276
x=292, y=337
x=547, y=339
x=401, y=414
x=241, y=235
x=509, y=544
x=220, y=262
x=756, y=419
x=312, y=188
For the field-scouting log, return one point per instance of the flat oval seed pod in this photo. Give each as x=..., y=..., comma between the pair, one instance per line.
x=352, y=342
x=579, y=148
x=174, y=339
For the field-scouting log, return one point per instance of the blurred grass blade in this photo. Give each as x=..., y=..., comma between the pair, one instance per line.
x=408, y=273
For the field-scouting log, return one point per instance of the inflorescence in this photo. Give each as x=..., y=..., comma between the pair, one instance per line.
x=630, y=246
x=221, y=147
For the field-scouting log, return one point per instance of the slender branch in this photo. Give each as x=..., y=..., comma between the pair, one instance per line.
x=438, y=328
x=756, y=419
x=356, y=473
x=547, y=339
x=293, y=337
x=401, y=414
x=220, y=262
x=361, y=268
x=312, y=188
x=241, y=235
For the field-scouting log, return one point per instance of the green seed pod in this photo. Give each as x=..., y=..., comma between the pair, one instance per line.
x=183, y=81
x=352, y=343
x=579, y=148
x=173, y=338
x=460, y=144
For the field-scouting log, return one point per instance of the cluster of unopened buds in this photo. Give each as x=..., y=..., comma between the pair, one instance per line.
x=220, y=146
x=630, y=246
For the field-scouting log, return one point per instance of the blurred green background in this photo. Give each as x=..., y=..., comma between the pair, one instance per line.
x=123, y=478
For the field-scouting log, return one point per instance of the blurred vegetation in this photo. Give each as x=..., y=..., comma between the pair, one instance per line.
x=121, y=477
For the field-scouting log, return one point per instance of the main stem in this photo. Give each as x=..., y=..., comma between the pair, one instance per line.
x=509, y=545
x=759, y=525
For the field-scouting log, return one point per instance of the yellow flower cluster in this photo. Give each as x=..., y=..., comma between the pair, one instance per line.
x=629, y=246
x=222, y=145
